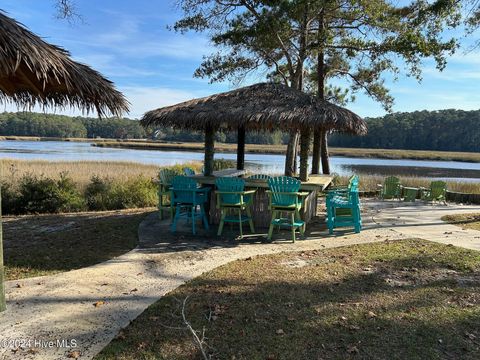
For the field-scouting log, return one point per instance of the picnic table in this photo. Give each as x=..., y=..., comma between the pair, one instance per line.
x=260, y=212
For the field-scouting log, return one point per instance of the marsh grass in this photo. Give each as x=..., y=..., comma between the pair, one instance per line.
x=81, y=171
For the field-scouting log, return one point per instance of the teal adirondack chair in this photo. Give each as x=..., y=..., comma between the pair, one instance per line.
x=165, y=177
x=391, y=188
x=436, y=192
x=353, y=181
x=285, y=198
x=343, y=209
x=232, y=197
x=343, y=191
x=187, y=171
x=187, y=197
x=259, y=177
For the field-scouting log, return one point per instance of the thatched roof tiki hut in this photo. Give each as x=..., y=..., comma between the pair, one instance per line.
x=33, y=72
x=264, y=106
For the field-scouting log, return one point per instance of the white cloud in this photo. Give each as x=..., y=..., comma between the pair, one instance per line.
x=109, y=65
x=143, y=99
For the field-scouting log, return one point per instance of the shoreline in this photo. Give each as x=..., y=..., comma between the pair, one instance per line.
x=142, y=144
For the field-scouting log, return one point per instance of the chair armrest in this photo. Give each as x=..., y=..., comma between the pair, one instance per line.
x=248, y=192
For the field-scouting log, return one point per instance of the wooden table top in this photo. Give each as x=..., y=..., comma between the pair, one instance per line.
x=315, y=182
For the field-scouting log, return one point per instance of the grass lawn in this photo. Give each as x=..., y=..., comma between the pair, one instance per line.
x=466, y=221
x=47, y=244
x=409, y=299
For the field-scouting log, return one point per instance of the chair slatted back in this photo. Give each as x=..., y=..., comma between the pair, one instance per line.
x=353, y=183
x=280, y=187
x=166, y=176
x=188, y=171
x=232, y=184
x=259, y=177
x=438, y=189
x=391, y=186
x=184, y=189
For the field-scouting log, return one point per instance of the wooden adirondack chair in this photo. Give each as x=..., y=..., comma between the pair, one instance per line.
x=165, y=177
x=436, y=192
x=259, y=177
x=343, y=209
x=391, y=188
x=187, y=197
x=188, y=171
x=232, y=197
x=284, y=197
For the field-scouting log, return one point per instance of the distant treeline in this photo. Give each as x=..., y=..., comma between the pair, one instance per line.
x=49, y=125
x=449, y=130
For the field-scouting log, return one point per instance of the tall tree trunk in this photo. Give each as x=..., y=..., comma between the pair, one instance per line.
x=319, y=140
x=290, y=158
x=209, y=150
x=324, y=147
x=304, y=148
x=296, y=78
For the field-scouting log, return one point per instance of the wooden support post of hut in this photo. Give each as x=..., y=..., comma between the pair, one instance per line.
x=304, y=150
x=241, y=148
x=317, y=139
x=209, y=150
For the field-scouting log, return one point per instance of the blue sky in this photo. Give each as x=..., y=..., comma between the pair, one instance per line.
x=128, y=42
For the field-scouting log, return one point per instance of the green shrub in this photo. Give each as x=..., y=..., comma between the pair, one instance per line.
x=104, y=194
x=10, y=198
x=135, y=193
x=98, y=194
x=38, y=194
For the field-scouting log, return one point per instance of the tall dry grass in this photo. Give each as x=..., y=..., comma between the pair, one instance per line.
x=80, y=171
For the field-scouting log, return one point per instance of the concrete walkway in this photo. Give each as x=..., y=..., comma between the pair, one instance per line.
x=90, y=306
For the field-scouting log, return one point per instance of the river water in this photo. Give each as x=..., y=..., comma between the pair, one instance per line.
x=258, y=163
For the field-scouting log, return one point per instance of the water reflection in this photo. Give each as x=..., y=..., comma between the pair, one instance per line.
x=257, y=163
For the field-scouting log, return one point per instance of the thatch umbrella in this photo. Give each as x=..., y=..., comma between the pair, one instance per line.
x=264, y=106
x=33, y=72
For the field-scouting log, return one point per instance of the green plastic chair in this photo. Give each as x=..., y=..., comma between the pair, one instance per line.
x=343, y=209
x=165, y=177
x=284, y=197
x=232, y=197
x=259, y=177
x=391, y=188
x=436, y=192
x=187, y=171
x=187, y=197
